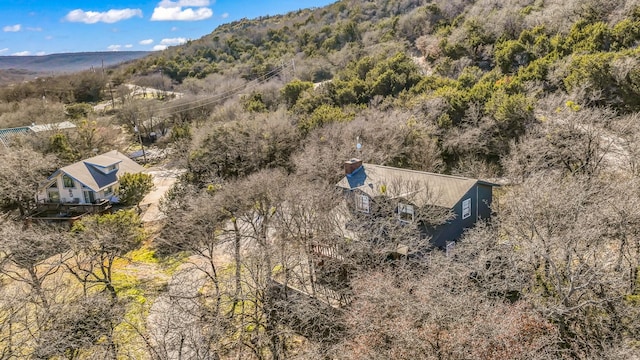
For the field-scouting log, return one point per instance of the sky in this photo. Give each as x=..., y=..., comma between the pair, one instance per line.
x=42, y=27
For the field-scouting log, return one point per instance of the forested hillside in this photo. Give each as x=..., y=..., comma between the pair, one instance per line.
x=542, y=97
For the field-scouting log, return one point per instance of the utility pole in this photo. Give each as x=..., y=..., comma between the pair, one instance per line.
x=164, y=92
x=136, y=129
x=113, y=102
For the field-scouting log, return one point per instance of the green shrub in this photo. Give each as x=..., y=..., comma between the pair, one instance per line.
x=292, y=91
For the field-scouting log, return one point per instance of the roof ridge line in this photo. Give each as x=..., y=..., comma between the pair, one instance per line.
x=421, y=172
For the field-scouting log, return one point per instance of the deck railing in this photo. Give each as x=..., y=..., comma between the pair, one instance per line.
x=67, y=211
x=330, y=251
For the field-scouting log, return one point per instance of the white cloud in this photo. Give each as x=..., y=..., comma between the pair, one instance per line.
x=225, y=15
x=159, y=47
x=34, y=29
x=183, y=3
x=22, y=53
x=48, y=37
x=146, y=42
x=128, y=46
x=114, y=47
x=182, y=10
x=178, y=14
x=173, y=41
x=109, y=17
x=4, y=50
x=41, y=53
x=12, y=28
x=174, y=28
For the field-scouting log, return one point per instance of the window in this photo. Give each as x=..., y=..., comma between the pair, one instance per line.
x=466, y=208
x=68, y=181
x=362, y=203
x=405, y=212
x=108, y=191
x=450, y=247
x=54, y=196
x=89, y=196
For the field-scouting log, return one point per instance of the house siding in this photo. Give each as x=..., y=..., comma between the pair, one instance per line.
x=67, y=195
x=485, y=194
x=481, y=197
x=452, y=229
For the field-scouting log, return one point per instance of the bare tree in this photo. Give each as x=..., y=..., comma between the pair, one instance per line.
x=402, y=313
x=202, y=303
x=392, y=137
x=21, y=170
x=30, y=260
x=80, y=328
x=566, y=230
x=262, y=195
x=576, y=143
x=98, y=242
x=30, y=256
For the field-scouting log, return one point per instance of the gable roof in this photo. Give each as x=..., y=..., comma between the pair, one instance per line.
x=87, y=172
x=422, y=188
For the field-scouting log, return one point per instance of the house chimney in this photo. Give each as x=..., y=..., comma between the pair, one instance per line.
x=351, y=165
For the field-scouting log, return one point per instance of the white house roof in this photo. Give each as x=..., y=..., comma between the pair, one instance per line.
x=87, y=171
x=6, y=134
x=422, y=188
x=51, y=127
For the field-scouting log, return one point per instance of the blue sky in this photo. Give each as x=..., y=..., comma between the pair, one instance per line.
x=40, y=27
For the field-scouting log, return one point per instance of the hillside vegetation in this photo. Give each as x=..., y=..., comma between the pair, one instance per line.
x=541, y=96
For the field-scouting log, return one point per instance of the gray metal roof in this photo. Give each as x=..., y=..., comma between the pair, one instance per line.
x=90, y=176
x=420, y=188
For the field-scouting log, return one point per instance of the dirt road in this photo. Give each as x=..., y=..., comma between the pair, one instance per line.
x=163, y=179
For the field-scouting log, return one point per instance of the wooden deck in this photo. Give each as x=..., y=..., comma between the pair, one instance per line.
x=66, y=211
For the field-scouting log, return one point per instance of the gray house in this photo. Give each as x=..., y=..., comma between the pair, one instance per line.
x=410, y=192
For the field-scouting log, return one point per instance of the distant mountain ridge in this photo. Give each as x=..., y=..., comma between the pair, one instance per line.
x=68, y=62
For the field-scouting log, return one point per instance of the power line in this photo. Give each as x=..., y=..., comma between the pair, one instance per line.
x=225, y=95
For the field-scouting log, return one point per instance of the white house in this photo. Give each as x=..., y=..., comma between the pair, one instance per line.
x=87, y=181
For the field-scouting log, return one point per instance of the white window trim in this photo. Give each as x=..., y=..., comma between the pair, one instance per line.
x=361, y=200
x=406, y=209
x=466, y=208
x=450, y=248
